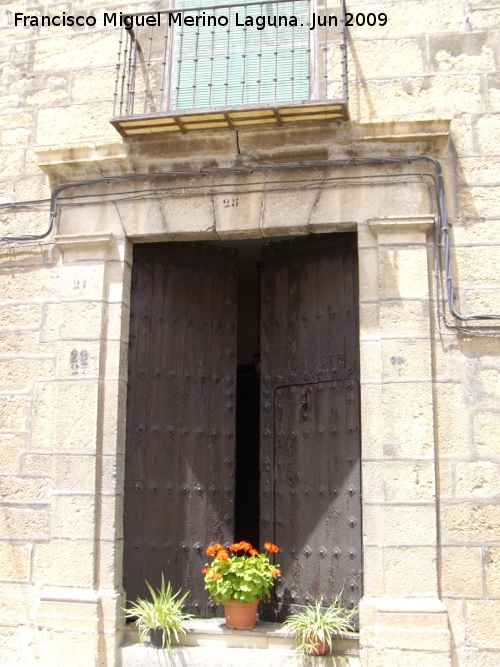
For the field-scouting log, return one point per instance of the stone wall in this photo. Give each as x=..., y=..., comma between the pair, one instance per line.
x=431, y=470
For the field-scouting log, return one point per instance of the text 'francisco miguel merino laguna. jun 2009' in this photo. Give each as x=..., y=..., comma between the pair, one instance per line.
x=195, y=19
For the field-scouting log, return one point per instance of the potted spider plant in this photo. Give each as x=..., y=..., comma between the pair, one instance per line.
x=314, y=627
x=162, y=617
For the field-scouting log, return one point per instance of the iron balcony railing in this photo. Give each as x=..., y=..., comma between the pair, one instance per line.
x=272, y=61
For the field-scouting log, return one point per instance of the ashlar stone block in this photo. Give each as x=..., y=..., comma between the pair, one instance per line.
x=490, y=381
x=78, y=358
x=407, y=419
x=65, y=416
x=111, y=563
x=21, y=316
x=15, y=561
x=17, y=602
x=470, y=522
x=409, y=480
x=287, y=212
x=453, y=419
x=368, y=273
x=25, y=489
x=14, y=642
x=370, y=360
x=68, y=616
x=492, y=562
x=456, y=617
x=405, y=317
x=400, y=525
x=35, y=284
x=13, y=412
x=65, y=562
x=371, y=401
x=465, y=52
x=237, y=213
x=18, y=373
x=74, y=123
x=53, y=648
x=411, y=18
x=486, y=430
x=20, y=343
x=483, y=629
x=410, y=571
x=11, y=447
x=478, y=170
x=27, y=523
x=73, y=516
x=72, y=320
x=405, y=358
x=461, y=571
x=68, y=472
x=477, y=202
x=385, y=59
x=95, y=84
x=83, y=280
x=403, y=272
x=477, y=478
x=408, y=97
x=485, y=17
x=487, y=129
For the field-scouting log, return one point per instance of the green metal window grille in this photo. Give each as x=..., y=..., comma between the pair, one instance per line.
x=224, y=66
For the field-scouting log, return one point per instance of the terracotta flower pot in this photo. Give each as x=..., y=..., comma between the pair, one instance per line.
x=241, y=616
x=319, y=647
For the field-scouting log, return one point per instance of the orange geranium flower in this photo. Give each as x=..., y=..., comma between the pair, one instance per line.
x=241, y=546
x=216, y=575
x=205, y=570
x=213, y=549
x=253, y=552
x=276, y=572
x=272, y=548
x=222, y=555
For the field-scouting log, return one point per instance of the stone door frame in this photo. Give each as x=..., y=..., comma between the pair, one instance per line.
x=401, y=615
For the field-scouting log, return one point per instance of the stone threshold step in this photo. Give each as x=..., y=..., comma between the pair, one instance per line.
x=210, y=644
x=142, y=655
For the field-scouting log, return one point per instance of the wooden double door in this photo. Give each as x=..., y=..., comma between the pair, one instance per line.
x=180, y=469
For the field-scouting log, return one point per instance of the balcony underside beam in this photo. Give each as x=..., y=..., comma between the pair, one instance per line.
x=232, y=118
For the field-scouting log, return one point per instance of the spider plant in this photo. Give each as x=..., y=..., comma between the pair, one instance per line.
x=163, y=613
x=314, y=627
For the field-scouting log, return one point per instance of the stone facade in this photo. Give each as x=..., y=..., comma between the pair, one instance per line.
x=426, y=83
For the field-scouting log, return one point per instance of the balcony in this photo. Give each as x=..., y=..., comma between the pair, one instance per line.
x=233, y=65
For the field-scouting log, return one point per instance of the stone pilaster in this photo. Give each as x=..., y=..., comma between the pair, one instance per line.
x=403, y=622
x=76, y=433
